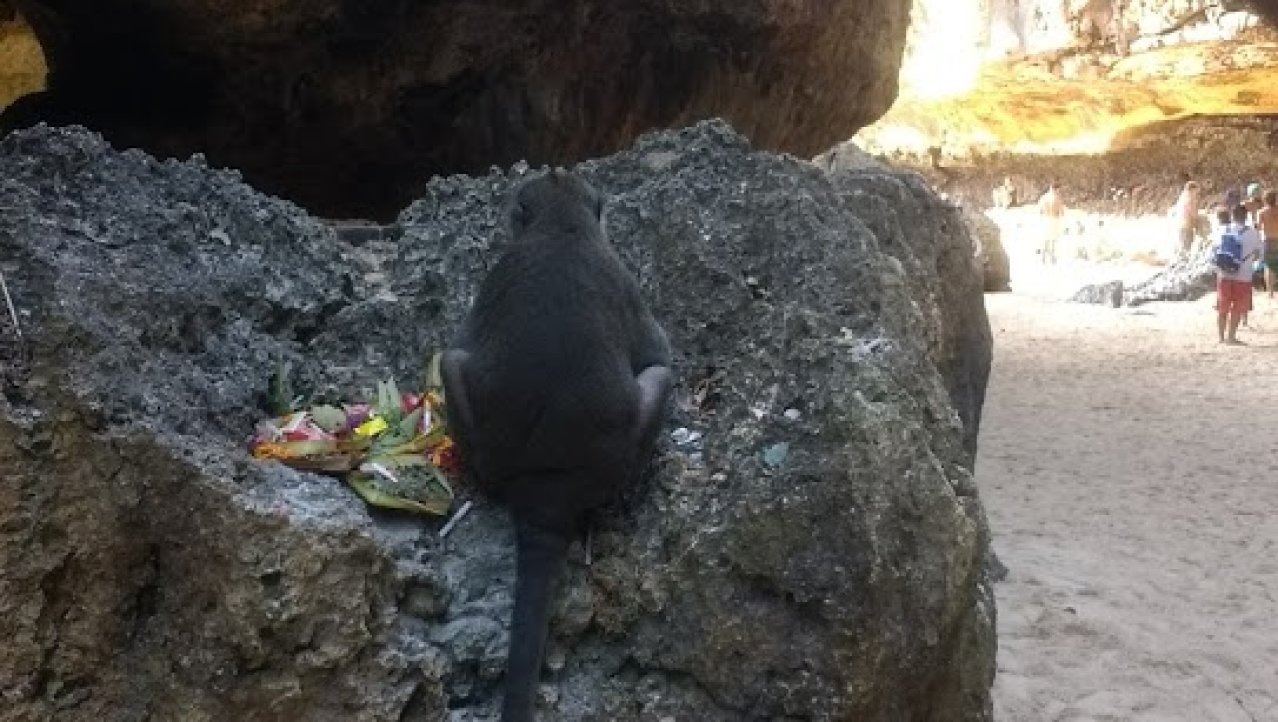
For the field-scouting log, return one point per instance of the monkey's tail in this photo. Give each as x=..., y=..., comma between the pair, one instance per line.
x=540, y=559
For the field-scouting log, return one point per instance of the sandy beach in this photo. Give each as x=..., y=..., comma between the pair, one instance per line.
x=1129, y=464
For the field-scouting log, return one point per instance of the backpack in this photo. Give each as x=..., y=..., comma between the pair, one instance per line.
x=1228, y=258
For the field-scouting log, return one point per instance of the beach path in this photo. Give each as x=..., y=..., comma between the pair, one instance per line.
x=1129, y=466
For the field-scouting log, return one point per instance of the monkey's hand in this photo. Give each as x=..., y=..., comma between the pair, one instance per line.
x=655, y=385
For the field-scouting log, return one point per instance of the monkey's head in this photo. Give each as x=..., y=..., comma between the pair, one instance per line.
x=559, y=197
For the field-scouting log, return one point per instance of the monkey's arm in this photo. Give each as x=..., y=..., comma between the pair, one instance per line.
x=652, y=348
x=655, y=385
x=461, y=419
x=652, y=367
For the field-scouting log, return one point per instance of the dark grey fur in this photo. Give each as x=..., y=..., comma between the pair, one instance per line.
x=555, y=386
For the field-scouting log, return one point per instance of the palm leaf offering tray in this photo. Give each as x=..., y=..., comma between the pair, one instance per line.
x=394, y=452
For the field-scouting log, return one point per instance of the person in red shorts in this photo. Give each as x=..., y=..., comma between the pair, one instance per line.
x=1233, y=287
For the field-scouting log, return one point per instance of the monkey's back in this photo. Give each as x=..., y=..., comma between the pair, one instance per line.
x=559, y=316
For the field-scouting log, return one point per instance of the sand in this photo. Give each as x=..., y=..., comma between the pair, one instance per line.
x=1129, y=465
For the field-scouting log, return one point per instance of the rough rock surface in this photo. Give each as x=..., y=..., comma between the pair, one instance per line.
x=988, y=238
x=350, y=107
x=984, y=232
x=1142, y=177
x=1104, y=294
x=818, y=552
x=928, y=237
x=1185, y=280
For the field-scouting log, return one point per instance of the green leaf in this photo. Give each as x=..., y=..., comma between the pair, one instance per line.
x=418, y=486
x=329, y=418
x=434, y=379
x=363, y=486
x=402, y=433
x=280, y=394
x=387, y=405
x=409, y=424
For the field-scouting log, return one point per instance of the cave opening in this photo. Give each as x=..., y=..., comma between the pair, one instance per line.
x=129, y=73
x=325, y=106
x=349, y=108
x=145, y=76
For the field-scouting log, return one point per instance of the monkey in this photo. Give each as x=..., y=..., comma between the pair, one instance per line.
x=555, y=387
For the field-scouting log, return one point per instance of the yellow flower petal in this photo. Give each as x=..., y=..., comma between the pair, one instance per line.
x=372, y=427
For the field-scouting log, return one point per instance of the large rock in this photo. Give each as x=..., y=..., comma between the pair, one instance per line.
x=1109, y=293
x=349, y=107
x=996, y=267
x=929, y=238
x=933, y=239
x=1187, y=279
x=987, y=240
x=819, y=552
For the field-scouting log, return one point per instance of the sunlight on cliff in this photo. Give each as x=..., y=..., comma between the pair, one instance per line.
x=944, y=56
x=1028, y=107
x=22, y=66
x=1070, y=76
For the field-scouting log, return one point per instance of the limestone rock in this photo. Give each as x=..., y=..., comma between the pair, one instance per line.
x=929, y=238
x=985, y=234
x=1105, y=294
x=849, y=156
x=1139, y=178
x=1185, y=280
x=152, y=570
x=988, y=238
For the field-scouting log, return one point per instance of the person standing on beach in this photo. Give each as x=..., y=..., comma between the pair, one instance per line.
x=1005, y=194
x=1052, y=206
x=1267, y=220
x=1254, y=203
x=1233, y=285
x=1186, y=214
x=1233, y=196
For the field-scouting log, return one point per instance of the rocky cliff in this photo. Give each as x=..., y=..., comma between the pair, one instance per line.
x=1074, y=76
x=349, y=107
x=811, y=544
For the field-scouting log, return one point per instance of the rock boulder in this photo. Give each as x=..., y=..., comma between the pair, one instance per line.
x=1105, y=294
x=988, y=238
x=1187, y=279
x=811, y=544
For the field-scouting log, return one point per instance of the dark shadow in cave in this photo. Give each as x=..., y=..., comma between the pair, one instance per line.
x=1267, y=9
x=105, y=72
x=349, y=108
